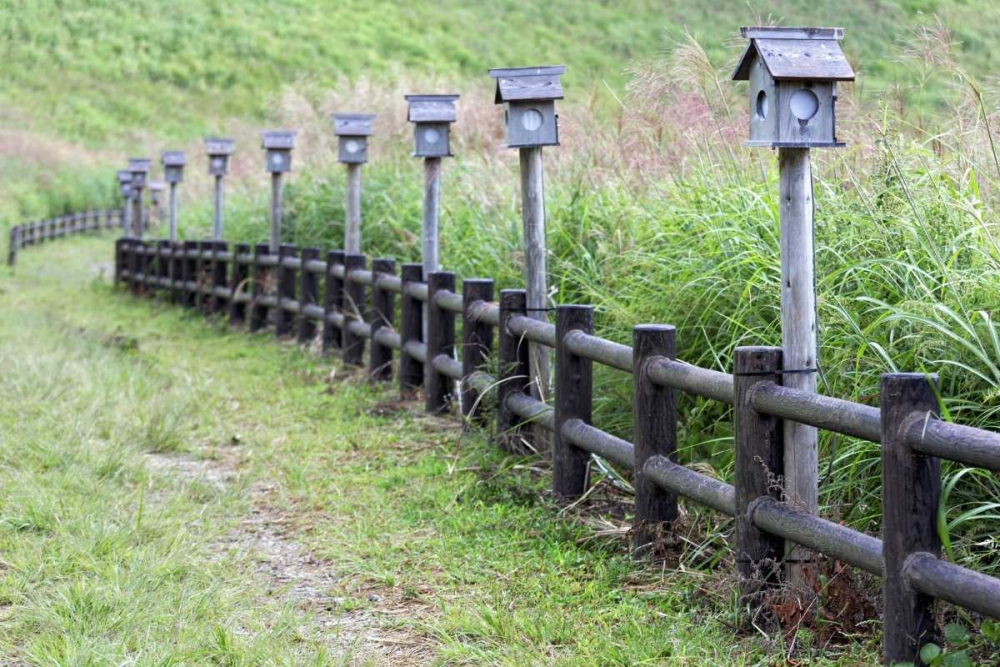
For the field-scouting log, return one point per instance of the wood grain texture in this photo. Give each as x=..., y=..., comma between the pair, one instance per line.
x=535, y=259
x=514, y=375
x=411, y=330
x=574, y=401
x=355, y=307
x=477, y=345
x=333, y=301
x=440, y=341
x=383, y=303
x=218, y=206
x=238, y=284
x=352, y=227
x=275, y=238
x=430, y=229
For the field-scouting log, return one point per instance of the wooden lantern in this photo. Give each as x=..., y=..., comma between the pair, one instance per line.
x=173, y=165
x=528, y=95
x=432, y=116
x=278, y=145
x=219, y=151
x=352, y=130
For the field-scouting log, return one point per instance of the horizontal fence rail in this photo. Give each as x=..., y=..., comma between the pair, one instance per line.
x=35, y=233
x=344, y=305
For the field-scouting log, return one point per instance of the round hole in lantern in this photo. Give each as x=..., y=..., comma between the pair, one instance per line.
x=432, y=136
x=804, y=104
x=277, y=160
x=352, y=146
x=762, y=105
x=531, y=119
x=218, y=162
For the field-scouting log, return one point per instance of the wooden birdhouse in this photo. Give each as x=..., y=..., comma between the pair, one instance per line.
x=529, y=97
x=139, y=166
x=432, y=116
x=353, y=130
x=793, y=75
x=173, y=165
x=124, y=183
x=218, y=151
x=278, y=145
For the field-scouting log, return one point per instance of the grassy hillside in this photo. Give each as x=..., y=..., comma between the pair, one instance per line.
x=101, y=70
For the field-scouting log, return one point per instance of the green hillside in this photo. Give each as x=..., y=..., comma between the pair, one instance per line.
x=96, y=70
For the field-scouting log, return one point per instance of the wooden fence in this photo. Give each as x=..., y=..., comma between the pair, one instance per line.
x=350, y=306
x=32, y=233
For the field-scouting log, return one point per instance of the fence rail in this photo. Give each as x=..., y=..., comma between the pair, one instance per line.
x=347, y=305
x=85, y=222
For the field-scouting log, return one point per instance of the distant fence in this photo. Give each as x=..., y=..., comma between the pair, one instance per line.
x=347, y=306
x=33, y=233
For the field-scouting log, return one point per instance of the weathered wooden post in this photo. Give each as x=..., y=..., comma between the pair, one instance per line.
x=238, y=285
x=411, y=328
x=793, y=75
x=654, y=426
x=15, y=243
x=278, y=145
x=440, y=343
x=382, y=305
x=353, y=130
x=528, y=95
x=125, y=190
x=432, y=116
x=759, y=467
x=156, y=190
x=217, y=302
x=139, y=167
x=308, y=295
x=173, y=172
x=333, y=300
x=911, y=493
x=284, y=319
x=574, y=401
x=258, y=311
x=219, y=151
x=477, y=343
x=354, y=310
x=189, y=273
x=514, y=368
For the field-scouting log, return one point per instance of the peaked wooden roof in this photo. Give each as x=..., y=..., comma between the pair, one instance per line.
x=796, y=53
x=528, y=83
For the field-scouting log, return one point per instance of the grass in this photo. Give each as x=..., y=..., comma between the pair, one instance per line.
x=142, y=450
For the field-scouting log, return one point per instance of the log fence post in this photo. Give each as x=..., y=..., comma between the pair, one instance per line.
x=759, y=472
x=911, y=492
x=284, y=319
x=333, y=301
x=217, y=303
x=574, y=400
x=440, y=342
x=354, y=310
x=382, y=306
x=308, y=296
x=258, y=312
x=15, y=241
x=477, y=344
x=514, y=368
x=238, y=285
x=189, y=274
x=654, y=426
x=411, y=330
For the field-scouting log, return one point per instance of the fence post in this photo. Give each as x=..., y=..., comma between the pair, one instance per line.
x=119, y=260
x=354, y=310
x=477, y=343
x=177, y=272
x=911, y=491
x=284, y=319
x=15, y=240
x=217, y=302
x=308, y=293
x=440, y=342
x=164, y=262
x=654, y=425
x=759, y=469
x=383, y=304
x=137, y=257
x=204, y=273
x=258, y=313
x=333, y=302
x=574, y=398
x=189, y=274
x=411, y=330
x=238, y=285
x=514, y=376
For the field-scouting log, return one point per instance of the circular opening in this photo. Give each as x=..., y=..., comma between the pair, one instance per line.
x=277, y=160
x=218, y=162
x=761, y=106
x=352, y=146
x=432, y=136
x=531, y=119
x=804, y=104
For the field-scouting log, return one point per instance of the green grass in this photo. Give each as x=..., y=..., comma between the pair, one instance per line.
x=112, y=556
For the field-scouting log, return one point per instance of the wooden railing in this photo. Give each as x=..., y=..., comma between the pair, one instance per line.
x=33, y=233
x=347, y=306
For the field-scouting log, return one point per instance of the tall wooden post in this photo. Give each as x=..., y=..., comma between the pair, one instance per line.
x=440, y=342
x=354, y=311
x=911, y=492
x=275, y=240
x=535, y=260
x=127, y=216
x=411, y=328
x=798, y=336
x=432, y=199
x=352, y=229
x=137, y=217
x=477, y=343
x=514, y=373
x=308, y=293
x=382, y=305
x=574, y=400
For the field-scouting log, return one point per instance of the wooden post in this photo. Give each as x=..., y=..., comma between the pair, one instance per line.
x=138, y=220
x=138, y=246
x=275, y=212
x=352, y=227
x=127, y=217
x=177, y=272
x=164, y=261
x=535, y=258
x=284, y=319
x=477, y=344
x=15, y=242
x=173, y=213
x=204, y=274
x=308, y=296
x=759, y=469
x=411, y=318
x=190, y=275
x=238, y=284
x=333, y=301
x=440, y=342
x=432, y=198
x=574, y=400
x=383, y=303
x=217, y=218
x=514, y=368
x=654, y=423
x=120, y=250
x=911, y=492
x=354, y=310
x=798, y=337
x=217, y=303
x=258, y=313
